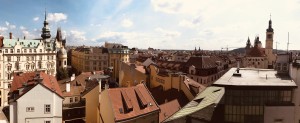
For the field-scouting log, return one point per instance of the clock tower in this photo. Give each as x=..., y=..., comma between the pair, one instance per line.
x=269, y=45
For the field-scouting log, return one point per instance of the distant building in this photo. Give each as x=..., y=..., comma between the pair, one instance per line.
x=117, y=53
x=259, y=57
x=35, y=97
x=131, y=74
x=24, y=55
x=128, y=105
x=257, y=96
x=86, y=59
x=294, y=72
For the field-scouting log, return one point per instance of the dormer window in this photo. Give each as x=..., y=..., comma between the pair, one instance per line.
x=18, y=50
x=11, y=50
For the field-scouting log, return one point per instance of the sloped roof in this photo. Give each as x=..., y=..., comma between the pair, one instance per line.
x=202, y=62
x=25, y=43
x=211, y=95
x=28, y=79
x=130, y=96
x=256, y=52
x=168, y=109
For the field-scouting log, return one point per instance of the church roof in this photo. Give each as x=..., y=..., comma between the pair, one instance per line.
x=256, y=52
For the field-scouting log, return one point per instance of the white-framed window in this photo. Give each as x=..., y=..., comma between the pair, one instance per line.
x=47, y=108
x=41, y=50
x=11, y=50
x=6, y=50
x=8, y=58
x=29, y=109
x=18, y=58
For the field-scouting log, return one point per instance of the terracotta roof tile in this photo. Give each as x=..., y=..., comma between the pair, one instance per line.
x=168, y=109
x=131, y=98
x=28, y=79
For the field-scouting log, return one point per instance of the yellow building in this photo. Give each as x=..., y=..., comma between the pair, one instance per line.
x=128, y=105
x=131, y=74
x=169, y=80
x=117, y=53
x=86, y=59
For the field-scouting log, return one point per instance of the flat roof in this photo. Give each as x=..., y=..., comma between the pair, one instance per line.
x=255, y=77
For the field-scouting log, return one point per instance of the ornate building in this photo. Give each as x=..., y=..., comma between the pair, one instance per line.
x=259, y=57
x=26, y=55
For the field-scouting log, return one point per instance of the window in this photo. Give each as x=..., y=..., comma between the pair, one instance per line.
x=29, y=109
x=47, y=108
x=11, y=51
x=47, y=57
x=18, y=58
x=8, y=58
x=65, y=62
x=71, y=100
x=9, y=85
x=34, y=50
x=30, y=50
x=48, y=121
x=27, y=58
x=6, y=50
x=9, y=68
x=8, y=77
x=278, y=120
x=41, y=57
x=17, y=66
x=41, y=50
x=52, y=57
x=27, y=66
x=32, y=66
x=25, y=51
x=32, y=58
x=76, y=99
x=40, y=65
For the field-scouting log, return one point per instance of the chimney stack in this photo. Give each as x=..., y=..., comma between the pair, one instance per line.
x=1, y=40
x=24, y=37
x=10, y=35
x=72, y=77
x=68, y=86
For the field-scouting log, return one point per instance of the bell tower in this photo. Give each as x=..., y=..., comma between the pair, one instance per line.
x=269, y=45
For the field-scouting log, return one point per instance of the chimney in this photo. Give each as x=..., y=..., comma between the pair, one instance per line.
x=24, y=37
x=68, y=86
x=72, y=77
x=10, y=35
x=1, y=40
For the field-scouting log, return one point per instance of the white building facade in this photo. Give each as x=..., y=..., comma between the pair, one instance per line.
x=23, y=55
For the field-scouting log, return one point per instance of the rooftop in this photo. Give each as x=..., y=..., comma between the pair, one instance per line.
x=137, y=100
x=255, y=77
x=168, y=109
x=210, y=96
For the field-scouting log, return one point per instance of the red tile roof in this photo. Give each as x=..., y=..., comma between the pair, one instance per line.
x=256, y=52
x=133, y=101
x=168, y=109
x=201, y=62
x=28, y=78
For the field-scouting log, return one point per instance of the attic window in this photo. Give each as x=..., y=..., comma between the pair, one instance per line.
x=216, y=90
x=198, y=100
x=127, y=106
x=141, y=100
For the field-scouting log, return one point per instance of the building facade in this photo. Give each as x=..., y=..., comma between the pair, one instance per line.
x=24, y=55
x=258, y=57
x=47, y=104
x=85, y=59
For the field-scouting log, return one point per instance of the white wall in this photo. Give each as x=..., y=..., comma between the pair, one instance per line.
x=41, y=96
x=295, y=75
x=286, y=113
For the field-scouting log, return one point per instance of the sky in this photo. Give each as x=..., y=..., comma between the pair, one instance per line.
x=160, y=24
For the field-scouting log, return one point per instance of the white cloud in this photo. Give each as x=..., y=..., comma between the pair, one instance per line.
x=168, y=33
x=177, y=6
x=57, y=17
x=36, y=18
x=2, y=29
x=127, y=23
x=7, y=23
x=124, y=3
x=191, y=23
x=75, y=37
x=22, y=28
x=27, y=34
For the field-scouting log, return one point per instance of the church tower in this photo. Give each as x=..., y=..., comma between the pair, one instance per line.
x=46, y=30
x=248, y=46
x=269, y=45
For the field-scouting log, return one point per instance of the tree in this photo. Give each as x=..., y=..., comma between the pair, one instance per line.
x=62, y=74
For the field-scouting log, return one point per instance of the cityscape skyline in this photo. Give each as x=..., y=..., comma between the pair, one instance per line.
x=158, y=24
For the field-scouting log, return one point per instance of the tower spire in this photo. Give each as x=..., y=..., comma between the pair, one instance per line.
x=45, y=30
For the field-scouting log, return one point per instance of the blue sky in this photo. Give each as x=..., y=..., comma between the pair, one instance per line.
x=161, y=24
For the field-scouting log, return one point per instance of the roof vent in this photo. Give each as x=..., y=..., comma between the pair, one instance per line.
x=121, y=110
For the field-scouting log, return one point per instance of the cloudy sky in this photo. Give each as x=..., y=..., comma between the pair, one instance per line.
x=161, y=24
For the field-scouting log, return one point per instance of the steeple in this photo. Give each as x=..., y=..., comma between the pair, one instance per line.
x=248, y=43
x=45, y=30
x=270, y=29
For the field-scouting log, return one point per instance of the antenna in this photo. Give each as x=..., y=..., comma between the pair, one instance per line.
x=288, y=43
